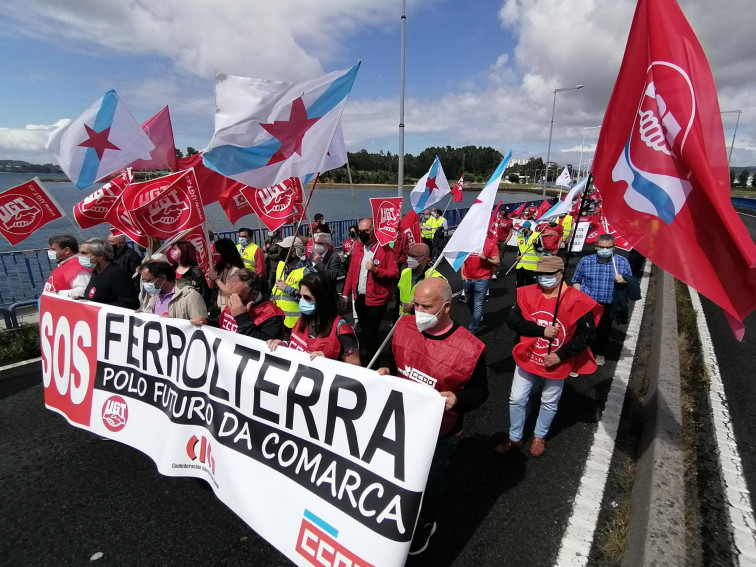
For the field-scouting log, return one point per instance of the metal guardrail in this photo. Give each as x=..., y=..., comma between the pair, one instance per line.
x=744, y=203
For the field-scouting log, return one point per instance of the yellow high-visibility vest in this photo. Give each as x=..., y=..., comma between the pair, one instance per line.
x=429, y=227
x=288, y=304
x=528, y=255
x=407, y=290
x=248, y=255
x=567, y=225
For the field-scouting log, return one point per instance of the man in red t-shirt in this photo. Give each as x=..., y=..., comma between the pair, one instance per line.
x=551, y=237
x=476, y=277
x=503, y=233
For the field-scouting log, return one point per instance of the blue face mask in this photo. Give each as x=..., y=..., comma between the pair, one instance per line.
x=306, y=307
x=604, y=252
x=547, y=281
x=150, y=288
x=86, y=263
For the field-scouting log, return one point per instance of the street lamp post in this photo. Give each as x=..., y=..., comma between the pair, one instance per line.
x=551, y=130
x=732, y=144
x=581, y=172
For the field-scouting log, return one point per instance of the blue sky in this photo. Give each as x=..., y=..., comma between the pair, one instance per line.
x=478, y=72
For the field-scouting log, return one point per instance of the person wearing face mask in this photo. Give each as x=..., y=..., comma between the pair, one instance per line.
x=251, y=253
x=529, y=251
x=288, y=275
x=433, y=350
x=168, y=296
x=551, y=237
x=109, y=284
x=372, y=275
x=325, y=260
x=320, y=331
x=547, y=351
x=417, y=270
x=348, y=245
x=272, y=253
x=183, y=256
x=69, y=278
x=597, y=276
x=125, y=257
x=248, y=311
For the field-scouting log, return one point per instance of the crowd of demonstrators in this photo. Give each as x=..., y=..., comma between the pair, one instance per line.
x=289, y=273
x=431, y=345
x=183, y=256
x=69, y=278
x=320, y=330
x=248, y=311
x=433, y=227
x=599, y=276
x=251, y=254
x=418, y=260
x=476, y=277
x=110, y=283
x=229, y=261
x=372, y=275
x=169, y=296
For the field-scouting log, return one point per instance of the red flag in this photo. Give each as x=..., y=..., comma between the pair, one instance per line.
x=160, y=132
x=121, y=222
x=387, y=213
x=518, y=211
x=24, y=209
x=234, y=204
x=165, y=206
x=619, y=242
x=210, y=183
x=274, y=205
x=197, y=236
x=94, y=209
x=493, y=224
x=457, y=190
x=661, y=163
x=545, y=206
x=410, y=228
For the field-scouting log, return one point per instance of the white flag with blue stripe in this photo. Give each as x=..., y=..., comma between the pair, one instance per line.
x=470, y=235
x=267, y=131
x=565, y=205
x=430, y=188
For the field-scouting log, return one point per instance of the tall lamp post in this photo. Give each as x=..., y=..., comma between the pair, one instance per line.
x=732, y=144
x=580, y=167
x=551, y=130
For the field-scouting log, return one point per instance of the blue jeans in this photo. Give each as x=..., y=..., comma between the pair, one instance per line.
x=518, y=401
x=475, y=295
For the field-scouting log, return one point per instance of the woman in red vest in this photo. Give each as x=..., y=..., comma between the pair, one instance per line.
x=548, y=350
x=320, y=330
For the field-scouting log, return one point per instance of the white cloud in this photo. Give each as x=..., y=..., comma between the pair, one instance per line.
x=28, y=143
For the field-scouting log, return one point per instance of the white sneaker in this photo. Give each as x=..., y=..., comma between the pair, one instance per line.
x=574, y=374
x=600, y=360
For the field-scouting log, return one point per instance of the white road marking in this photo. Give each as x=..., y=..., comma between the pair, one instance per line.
x=578, y=537
x=739, y=507
x=747, y=215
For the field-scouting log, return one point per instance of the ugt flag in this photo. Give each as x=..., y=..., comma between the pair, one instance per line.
x=661, y=163
x=275, y=205
x=387, y=212
x=93, y=210
x=25, y=209
x=267, y=131
x=100, y=141
x=471, y=232
x=431, y=188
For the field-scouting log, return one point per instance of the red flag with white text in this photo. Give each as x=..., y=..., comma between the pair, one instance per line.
x=387, y=213
x=210, y=183
x=410, y=228
x=160, y=132
x=26, y=208
x=165, y=206
x=457, y=190
x=274, y=205
x=661, y=163
x=94, y=209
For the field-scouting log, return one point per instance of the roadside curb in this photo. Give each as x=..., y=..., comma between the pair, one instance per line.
x=656, y=532
x=19, y=376
x=33, y=366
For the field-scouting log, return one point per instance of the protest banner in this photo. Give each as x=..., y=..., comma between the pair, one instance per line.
x=26, y=208
x=326, y=460
x=581, y=233
x=387, y=213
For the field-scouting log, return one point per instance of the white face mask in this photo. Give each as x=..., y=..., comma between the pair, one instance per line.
x=426, y=320
x=412, y=263
x=52, y=255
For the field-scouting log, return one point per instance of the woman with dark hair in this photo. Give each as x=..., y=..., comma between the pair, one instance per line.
x=229, y=262
x=183, y=256
x=320, y=330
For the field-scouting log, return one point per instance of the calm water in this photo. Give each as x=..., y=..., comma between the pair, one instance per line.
x=334, y=202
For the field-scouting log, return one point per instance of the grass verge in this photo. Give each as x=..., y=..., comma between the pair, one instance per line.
x=19, y=344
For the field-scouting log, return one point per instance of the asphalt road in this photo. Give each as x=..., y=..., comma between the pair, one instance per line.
x=737, y=365
x=68, y=495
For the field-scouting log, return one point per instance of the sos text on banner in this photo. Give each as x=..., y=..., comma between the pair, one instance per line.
x=321, y=458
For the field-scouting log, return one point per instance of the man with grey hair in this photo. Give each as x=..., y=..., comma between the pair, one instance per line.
x=109, y=284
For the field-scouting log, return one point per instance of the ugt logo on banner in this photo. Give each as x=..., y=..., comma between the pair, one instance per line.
x=386, y=216
x=24, y=209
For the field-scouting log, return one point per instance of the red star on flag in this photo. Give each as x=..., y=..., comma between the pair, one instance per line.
x=430, y=185
x=290, y=132
x=477, y=201
x=99, y=141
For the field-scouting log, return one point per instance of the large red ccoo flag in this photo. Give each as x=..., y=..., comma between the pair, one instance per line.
x=661, y=163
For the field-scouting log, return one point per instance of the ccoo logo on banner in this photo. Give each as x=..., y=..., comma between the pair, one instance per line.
x=277, y=435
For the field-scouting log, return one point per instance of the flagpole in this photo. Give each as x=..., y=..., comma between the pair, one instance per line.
x=569, y=251
x=351, y=185
x=402, y=52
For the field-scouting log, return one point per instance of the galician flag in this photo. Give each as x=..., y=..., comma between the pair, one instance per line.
x=267, y=131
x=565, y=205
x=431, y=188
x=102, y=140
x=564, y=179
x=471, y=232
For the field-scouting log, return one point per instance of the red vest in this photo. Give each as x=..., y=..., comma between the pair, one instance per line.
x=330, y=345
x=552, y=242
x=445, y=365
x=62, y=276
x=529, y=352
x=259, y=313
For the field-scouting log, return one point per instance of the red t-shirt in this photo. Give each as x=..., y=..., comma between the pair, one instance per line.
x=476, y=269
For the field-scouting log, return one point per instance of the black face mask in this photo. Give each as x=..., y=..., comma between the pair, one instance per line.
x=352, y=234
x=364, y=237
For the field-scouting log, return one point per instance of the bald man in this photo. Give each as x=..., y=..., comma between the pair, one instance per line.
x=433, y=350
x=418, y=258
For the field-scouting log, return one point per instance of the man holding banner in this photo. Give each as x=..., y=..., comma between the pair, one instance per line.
x=431, y=349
